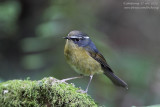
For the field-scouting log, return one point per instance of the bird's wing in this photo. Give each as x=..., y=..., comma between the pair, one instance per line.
x=93, y=52
x=98, y=57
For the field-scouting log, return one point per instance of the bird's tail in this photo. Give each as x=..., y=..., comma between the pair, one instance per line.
x=115, y=79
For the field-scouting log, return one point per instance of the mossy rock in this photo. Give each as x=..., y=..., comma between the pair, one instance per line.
x=48, y=92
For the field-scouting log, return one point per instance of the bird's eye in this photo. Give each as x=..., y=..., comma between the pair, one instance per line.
x=76, y=39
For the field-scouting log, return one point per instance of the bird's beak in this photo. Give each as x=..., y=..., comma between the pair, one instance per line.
x=66, y=37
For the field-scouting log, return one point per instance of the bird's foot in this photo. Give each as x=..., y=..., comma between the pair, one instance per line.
x=63, y=81
x=82, y=91
x=67, y=79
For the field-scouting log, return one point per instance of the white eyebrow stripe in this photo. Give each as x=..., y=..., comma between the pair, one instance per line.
x=86, y=37
x=75, y=37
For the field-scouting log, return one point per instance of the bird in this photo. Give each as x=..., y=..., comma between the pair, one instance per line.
x=83, y=56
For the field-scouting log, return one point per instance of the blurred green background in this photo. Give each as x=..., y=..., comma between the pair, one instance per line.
x=31, y=45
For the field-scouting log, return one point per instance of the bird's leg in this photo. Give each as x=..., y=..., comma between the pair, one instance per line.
x=91, y=76
x=67, y=79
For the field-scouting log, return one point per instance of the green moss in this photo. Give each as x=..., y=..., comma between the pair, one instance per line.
x=46, y=92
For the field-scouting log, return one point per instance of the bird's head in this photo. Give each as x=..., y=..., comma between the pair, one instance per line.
x=79, y=38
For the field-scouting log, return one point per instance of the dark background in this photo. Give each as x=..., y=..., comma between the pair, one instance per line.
x=31, y=45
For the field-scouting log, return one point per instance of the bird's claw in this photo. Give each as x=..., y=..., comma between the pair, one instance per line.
x=82, y=91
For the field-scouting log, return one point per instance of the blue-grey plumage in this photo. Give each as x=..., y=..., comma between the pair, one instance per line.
x=85, y=59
